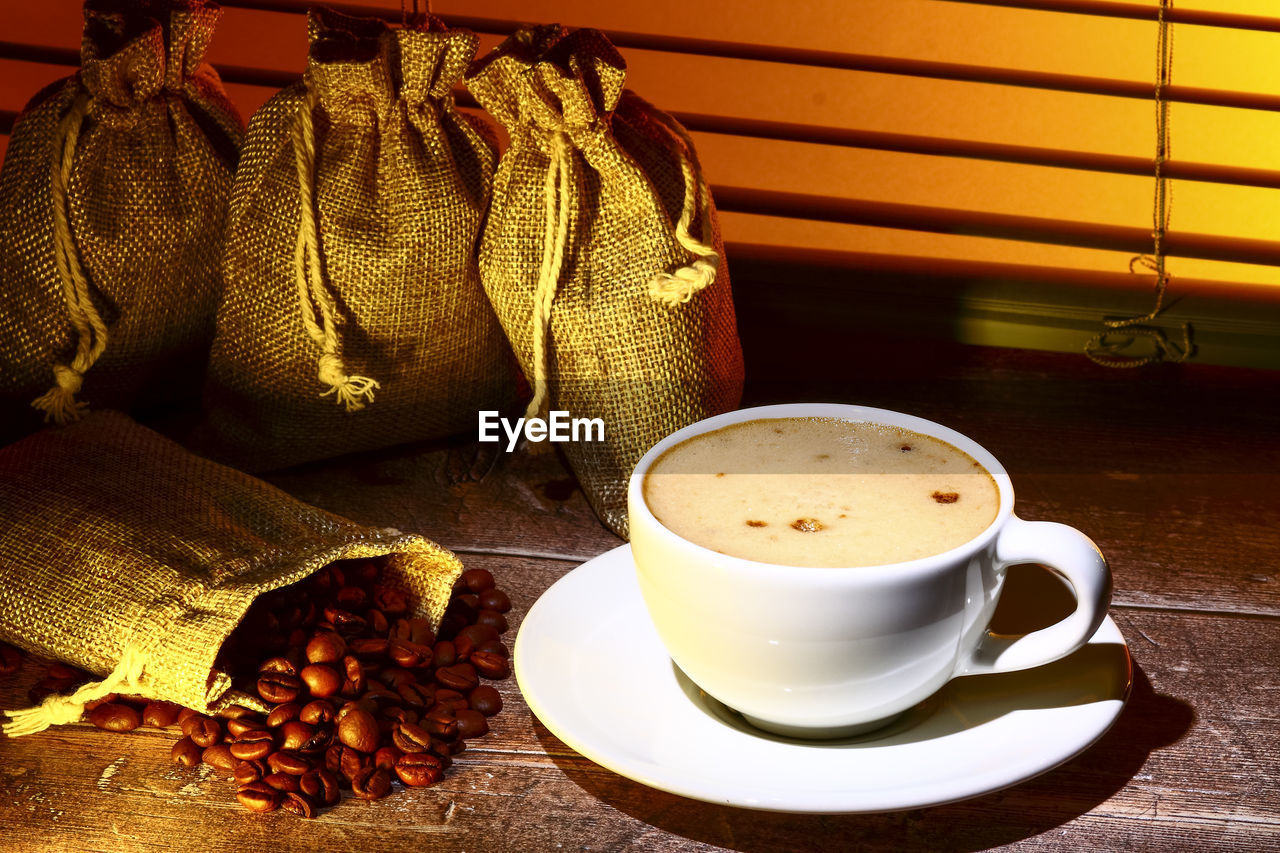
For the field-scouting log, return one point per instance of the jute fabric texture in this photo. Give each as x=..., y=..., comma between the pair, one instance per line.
x=601, y=255
x=353, y=316
x=126, y=555
x=112, y=202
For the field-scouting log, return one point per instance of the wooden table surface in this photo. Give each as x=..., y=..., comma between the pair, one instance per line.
x=1174, y=471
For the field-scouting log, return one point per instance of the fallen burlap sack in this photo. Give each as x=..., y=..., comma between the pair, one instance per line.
x=112, y=200
x=127, y=556
x=601, y=255
x=353, y=316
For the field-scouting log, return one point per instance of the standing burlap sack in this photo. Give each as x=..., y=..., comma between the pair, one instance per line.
x=353, y=316
x=127, y=556
x=112, y=201
x=601, y=255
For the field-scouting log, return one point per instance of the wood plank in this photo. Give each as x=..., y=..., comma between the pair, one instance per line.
x=1191, y=762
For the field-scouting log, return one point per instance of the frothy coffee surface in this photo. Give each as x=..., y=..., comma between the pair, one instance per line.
x=821, y=492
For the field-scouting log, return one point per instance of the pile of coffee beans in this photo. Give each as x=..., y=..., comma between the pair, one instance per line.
x=361, y=693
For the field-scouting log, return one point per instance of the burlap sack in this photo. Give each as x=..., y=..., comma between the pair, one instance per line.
x=127, y=556
x=601, y=255
x=353, y=316
x=112, y=200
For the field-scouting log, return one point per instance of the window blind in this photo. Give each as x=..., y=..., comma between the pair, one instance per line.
x=995, y=155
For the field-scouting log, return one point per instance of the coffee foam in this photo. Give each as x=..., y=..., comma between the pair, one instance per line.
x=821, y=492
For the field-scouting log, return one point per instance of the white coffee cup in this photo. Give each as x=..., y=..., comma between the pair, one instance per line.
x=831, y=652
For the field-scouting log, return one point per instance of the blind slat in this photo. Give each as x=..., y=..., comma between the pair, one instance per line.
x=1139, y=12
x=947, y=220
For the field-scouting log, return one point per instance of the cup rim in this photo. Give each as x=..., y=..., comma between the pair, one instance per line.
x=843, y=411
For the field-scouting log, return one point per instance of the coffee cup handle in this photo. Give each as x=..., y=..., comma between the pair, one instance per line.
x=1074, y=556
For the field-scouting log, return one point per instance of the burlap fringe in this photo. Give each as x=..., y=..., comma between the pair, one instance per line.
x=57, y=710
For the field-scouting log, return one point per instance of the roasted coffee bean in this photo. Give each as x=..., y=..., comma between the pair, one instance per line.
x=359, y=730
x=472, y=724
x=236, y=728
x=472, y=636
x=298, y=804
x=496, y=647
x=238, y=712
x=453, y=621
x=445, y=653
x=295, y=734
x=476, y=580
x=351, y=598
x=115, y=717
x=317, y=712
x=282, y=714
x=410, y=737
x=321, y=786
x=282, y=782
x=326, y=647
x=364, y=572
x=495, y=599
x=392, y=602
x=399, y=714
x=245, y=772
x=321, y=680
x=186, y=714
x=409, y=655
x=279, y=687
x=288, y=762
x=344, y=621
x=258, y=797
x=160, y=714
x=468, y=602
x=355, y=681
x=10, y=659
x=278, y=665
x=417, y=696
x=369, y=647
x=441, y=722
x=393, y=676
x=205, y=731
x=371, y=784
x=451, y=699
x=378, y=624
x=386, y=758
x=358, y=704
x=460, y=676
x=185, y=752
x=381, y=697
x=353, y=762
x=485, y=699
x=420, y=631
x=419, y=769
x=492, y=618
x=219, y=757
x=93, y=703
x=255, y=744
x=321, y=583
x=443, y=750
x=490, y=665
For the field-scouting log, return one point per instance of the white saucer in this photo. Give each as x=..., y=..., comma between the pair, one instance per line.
x=593, y=670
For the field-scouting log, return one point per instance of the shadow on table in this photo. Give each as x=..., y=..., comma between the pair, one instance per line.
x=1148, y=722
